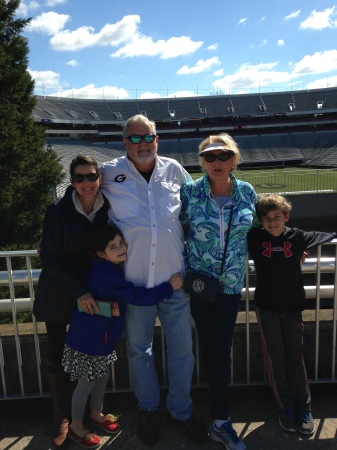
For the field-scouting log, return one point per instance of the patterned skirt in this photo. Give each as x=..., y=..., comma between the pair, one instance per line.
x=81, y=365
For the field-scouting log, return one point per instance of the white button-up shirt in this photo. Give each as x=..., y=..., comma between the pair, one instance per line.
x=148, y=216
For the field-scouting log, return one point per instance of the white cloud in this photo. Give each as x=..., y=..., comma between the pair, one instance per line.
x=323, y=82
x=242, y=21
x=212, y=47
x=150, y=95
x=183, y=94
x=251, y=76
x=200, y=66
x=174, y=95
x=263, y=18
x=145, y=46
x=83, y=37
x=292, y=15
x=91, y=91
x=319, y=62
x=263, y=43
x=123, y=33
x=24, y=8
x=73, y=63
x=55, y=2
x=48, y=83
x=49, y=23
x=218, y=73
x=320, y=19
x=280, y=42
x=45, y=79
x=239, y=91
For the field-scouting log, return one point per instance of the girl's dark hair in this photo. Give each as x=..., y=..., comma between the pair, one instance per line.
x=100, y=237
x=83, y=160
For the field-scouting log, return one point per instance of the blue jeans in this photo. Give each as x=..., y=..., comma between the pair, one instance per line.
x=175, y=318
x=215, y=324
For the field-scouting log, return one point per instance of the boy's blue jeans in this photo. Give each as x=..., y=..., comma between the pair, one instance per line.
x=175, y=318
x=215, y=324
x=282, y=343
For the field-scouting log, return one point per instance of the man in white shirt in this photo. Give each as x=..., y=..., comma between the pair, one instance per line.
x=144, y=192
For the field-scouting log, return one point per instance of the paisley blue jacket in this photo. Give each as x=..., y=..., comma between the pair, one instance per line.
x=208, y=224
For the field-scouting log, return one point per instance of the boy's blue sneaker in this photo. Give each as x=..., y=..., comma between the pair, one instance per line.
x=306, y=423
x=227, y=435
x=287, y=420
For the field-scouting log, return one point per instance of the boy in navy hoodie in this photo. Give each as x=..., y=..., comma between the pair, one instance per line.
x=279, y=301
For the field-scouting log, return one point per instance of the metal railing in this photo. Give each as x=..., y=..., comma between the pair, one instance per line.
x=11, y=279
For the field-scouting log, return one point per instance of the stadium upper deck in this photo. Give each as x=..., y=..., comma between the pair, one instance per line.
x=193, y=111
x=271, y=128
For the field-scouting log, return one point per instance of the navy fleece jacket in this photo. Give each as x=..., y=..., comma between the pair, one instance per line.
x=99, y=335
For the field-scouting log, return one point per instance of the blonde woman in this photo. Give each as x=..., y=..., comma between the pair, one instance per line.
x=218, y=208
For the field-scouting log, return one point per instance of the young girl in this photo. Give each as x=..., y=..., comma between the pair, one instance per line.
x=91, y=339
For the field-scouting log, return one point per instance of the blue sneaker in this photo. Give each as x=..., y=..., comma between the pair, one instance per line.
x=306, y=423
x=227, y=435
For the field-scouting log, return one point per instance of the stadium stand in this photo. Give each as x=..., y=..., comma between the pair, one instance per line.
x=275, y=102
x=326, y=157
x=216, y=106
x=67, y=149
x=330, y=100
x=312, y=148
x=271, y=129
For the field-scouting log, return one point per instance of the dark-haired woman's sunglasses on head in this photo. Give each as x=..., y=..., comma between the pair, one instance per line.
x=79, y=178
x=211, y=157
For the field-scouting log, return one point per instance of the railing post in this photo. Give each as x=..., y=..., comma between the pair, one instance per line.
x=247, y=321
x=36, y=336
x=334, y=315
x=317, y=309
x=15, y=323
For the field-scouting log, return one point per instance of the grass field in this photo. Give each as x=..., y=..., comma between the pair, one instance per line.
x=290, y=180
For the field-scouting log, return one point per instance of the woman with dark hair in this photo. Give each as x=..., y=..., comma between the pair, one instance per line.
x=67, y=224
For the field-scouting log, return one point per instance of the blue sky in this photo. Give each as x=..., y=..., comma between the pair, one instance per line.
x=132, y=49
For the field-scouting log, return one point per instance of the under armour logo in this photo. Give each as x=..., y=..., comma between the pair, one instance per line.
x=198, y=286
x=269, y=249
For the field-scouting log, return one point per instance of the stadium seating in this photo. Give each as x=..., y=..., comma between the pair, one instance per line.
x=292, y=127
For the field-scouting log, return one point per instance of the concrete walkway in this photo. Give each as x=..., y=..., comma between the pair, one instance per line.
x=26, y=424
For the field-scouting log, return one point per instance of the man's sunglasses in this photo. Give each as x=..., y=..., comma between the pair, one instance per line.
x=79, y=178
x=137, y=138
x=223, y=156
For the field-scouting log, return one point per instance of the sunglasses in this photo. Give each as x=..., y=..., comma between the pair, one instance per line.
x=79, y=178
x=137, y=138
x=223, y=156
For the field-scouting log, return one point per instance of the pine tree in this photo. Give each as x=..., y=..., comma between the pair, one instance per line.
x=27, y=171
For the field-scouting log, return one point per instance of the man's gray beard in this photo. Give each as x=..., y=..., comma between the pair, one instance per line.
x=148, y=158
